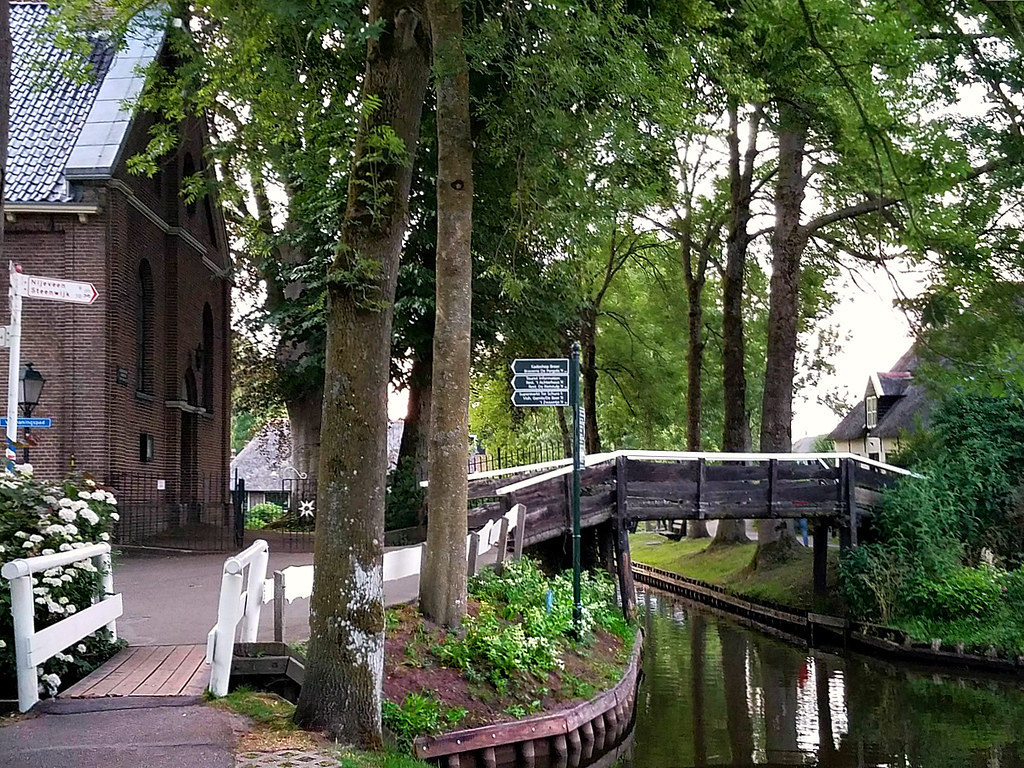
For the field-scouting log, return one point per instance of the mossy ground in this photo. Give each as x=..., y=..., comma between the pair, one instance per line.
x=273, y=729
x=789, y=583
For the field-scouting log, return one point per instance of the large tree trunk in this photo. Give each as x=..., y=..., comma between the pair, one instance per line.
x=695, y=529
x=736, y=430
x=564, y=430
x=443, y=579
x=305, y=416
x=588, y=342
x=345, y=659
x=775, y=540
x=413, y=450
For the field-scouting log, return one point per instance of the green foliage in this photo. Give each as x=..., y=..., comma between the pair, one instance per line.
x=265, y=709
x=514, y=634
x=420, y=713
x=962, y=593
x=405, y=498
x=262, y=515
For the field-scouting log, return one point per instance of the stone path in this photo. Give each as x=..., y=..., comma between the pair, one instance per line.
x=287, y=758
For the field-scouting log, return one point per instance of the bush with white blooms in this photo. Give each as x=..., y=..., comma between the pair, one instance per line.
x=41, y=518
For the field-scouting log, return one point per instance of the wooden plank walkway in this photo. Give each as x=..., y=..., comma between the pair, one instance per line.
x=147, y=670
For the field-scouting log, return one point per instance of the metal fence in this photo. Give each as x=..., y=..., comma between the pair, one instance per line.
x=170, y=513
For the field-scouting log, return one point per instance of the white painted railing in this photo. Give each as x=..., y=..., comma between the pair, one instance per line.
x=32, y=648
x=238, y=603
x=296, y=582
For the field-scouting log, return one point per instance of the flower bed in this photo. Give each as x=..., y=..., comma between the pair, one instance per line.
x=41, y=518
x=515, y=655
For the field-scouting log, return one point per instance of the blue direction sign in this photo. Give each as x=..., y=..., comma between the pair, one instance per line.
x=32, y=423
x=529, y=381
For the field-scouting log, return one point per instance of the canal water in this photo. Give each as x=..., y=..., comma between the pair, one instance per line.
x=718, y=694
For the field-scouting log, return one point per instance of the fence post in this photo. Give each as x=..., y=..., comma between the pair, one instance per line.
x=474, y=551
x=224, y=631
x=103, y=565
x=520, y=535
x=278, y=606
x=623, y=561
x=23, y=610
x=238, y=499
x=254, y=596
x=499, y=565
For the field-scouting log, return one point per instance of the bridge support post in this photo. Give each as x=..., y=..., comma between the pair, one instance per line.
x=623, y=561
x=820, y=557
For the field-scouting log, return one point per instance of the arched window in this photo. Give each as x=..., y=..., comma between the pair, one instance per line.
x=188, y=169
x=207, y=358
x=144, y=328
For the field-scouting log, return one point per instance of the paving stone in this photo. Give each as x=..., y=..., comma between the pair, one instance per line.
x=287, y=758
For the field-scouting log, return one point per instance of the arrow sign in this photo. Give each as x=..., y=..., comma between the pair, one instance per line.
x=558, y=366
x=32, y=423
x=69, y=291
x=539, y=397
x=530, y=381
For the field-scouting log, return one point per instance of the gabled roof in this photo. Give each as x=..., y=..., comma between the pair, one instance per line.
x=61, y=128
x=908, y=412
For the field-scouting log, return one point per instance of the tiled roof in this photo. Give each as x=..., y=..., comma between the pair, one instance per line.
x=63, y=128
x=47, y=110
x=909, y=412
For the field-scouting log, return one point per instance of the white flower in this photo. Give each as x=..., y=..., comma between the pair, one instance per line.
x=110, y=499
x=35, y=538
x=114, y=516
x=79, y=505
x=71, y=609
x=49, y=551
x=67, y=577
x=90, y=517
x=51, y=500
x=90, y=483
x=65, y=547
x=28, y=545
x=65, y=502
x=54, y=530
x=67, y=515
x=3, y=643
x=63, y=600
x=41, y=600
x=72, y=529
x=39, y=591
x=2, y=549
x=84, y=495
x=80, y=648
x=52, y=683
x=21, y=535
x=104, y=536
x=25, y=469
x=99, y=495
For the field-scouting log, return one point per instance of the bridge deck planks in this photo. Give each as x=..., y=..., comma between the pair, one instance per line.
x=158, y=670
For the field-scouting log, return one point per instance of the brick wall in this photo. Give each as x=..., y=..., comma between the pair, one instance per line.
x=88, y=353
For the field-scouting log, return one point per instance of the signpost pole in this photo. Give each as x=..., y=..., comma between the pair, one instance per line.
x=577, y=466
x=14, y=365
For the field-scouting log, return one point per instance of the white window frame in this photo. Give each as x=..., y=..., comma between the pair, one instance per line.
x=871, y=411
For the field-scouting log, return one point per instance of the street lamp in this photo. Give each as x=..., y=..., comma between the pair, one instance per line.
x=30, y=389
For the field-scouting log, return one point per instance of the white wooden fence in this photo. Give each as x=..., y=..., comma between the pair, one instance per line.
x=32, y=648
x=237, y=604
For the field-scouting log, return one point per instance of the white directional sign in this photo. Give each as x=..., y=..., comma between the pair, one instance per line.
x=540, y=381
x=70, y=291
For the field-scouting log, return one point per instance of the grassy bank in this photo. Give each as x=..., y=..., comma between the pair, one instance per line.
x=790, y=583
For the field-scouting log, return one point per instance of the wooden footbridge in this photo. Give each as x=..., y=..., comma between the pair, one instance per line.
x=832, y=491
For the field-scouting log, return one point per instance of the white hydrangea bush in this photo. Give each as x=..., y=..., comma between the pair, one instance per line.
x=41, y=518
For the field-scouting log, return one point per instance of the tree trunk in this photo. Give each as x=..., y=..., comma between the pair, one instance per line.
x=413, y=450
x=699, y=716
x=736, y=430
x=305, y=416
x=345, y=659
x=775, y=539
x=694, y=351
x=588, y=342
x=443, y=579
x=564, y=430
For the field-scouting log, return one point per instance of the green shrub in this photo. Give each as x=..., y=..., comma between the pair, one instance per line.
x=419, y=713
x=42, y=518
x=959, y=594
x=405, y=498
x=262, y=515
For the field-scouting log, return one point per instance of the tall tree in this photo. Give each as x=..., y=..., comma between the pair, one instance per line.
x=443, y=579
x=342, y=693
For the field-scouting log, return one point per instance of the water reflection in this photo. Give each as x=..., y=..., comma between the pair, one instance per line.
x=718, y=694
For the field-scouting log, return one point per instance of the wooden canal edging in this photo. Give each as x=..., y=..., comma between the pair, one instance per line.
x=817, y=630
x=568, y=737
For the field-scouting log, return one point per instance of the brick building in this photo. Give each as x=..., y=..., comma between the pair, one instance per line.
x=137, y=384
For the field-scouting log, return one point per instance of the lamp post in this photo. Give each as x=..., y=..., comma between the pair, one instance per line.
x=30, y=388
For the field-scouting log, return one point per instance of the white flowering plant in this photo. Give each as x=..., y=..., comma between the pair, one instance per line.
x=42, y=518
